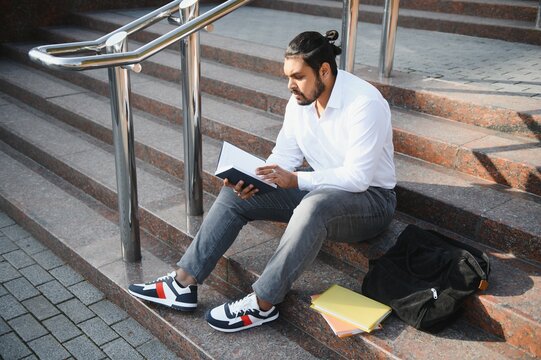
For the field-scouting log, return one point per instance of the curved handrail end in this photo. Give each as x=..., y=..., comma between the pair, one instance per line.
x=46, y=55
x=37, y=55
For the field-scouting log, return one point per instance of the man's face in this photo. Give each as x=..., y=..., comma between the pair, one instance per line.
x=303, y=81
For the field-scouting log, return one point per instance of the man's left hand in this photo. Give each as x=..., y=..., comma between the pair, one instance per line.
x=275, y=174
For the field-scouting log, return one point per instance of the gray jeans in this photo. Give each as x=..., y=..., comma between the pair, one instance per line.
x=324, y=214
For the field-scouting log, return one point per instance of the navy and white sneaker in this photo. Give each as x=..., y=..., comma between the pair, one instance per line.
x=240, y=315
x=166, y=291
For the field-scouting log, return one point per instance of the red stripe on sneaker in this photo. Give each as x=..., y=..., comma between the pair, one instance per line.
x=246, y=320
x=159, y=290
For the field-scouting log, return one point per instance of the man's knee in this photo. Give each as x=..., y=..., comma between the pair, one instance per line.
x=228, y=198
x=229, y=201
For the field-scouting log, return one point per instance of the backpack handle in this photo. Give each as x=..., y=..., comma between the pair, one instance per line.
x=476, y=257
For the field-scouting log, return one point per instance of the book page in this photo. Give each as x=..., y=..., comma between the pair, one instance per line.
x=232, y=156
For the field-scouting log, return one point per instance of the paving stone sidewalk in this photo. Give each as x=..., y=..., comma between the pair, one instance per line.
x=49, y=311
x=500, y=67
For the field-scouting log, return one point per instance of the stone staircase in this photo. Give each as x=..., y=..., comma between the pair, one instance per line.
x=466, y=167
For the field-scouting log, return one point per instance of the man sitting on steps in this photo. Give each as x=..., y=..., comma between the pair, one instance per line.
x=341, y=125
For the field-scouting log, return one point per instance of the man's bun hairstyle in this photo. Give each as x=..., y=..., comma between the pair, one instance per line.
x=315, y=49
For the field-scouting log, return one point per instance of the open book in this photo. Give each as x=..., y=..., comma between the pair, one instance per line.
x=351, y=307
x=236, y=164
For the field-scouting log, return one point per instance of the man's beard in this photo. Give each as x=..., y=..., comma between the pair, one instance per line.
x=320, y=87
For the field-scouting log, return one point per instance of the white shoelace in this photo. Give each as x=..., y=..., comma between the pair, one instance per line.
x=242, y=306
x=165, y=277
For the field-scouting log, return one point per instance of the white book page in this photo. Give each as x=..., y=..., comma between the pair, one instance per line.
x=232, y=156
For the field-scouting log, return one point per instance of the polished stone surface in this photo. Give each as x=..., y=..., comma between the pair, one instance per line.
x=470, y=206
x=242, y=275
x=471, y=159
x=310, y=283
x=501, y=167
x=140, y=338
x=463, y=93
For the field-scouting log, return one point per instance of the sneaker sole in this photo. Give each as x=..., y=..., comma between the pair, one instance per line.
x=169, y=303
x=245, y=327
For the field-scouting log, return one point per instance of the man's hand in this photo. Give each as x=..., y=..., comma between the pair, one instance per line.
x=245, y=193
x=275, y=174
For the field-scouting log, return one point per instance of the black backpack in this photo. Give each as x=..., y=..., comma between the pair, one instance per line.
x=425, y=277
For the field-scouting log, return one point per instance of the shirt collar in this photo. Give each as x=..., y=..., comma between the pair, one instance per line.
x=335, y=100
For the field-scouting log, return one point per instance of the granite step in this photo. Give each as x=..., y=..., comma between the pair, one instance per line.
x=468, y=205
x=500, y=9
x=222, y=118
x=242, y=270
x=78, y=229
x=468, y=103
x=162, y=215
x=261, y=91
x=494, y=28
x=491, y=155
x=164, y=225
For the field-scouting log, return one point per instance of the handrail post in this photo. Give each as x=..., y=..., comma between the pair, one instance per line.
x=388, y=37
x=350, y=16
x=538, y=21
x=191, y=106
x=123, y=139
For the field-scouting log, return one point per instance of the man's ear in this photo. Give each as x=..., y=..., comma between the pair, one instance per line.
x=324, y=70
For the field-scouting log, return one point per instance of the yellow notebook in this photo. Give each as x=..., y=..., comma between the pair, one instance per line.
x=341, y=328
x=351, y=307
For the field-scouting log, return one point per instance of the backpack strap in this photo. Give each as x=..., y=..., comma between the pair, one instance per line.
x=480, y=261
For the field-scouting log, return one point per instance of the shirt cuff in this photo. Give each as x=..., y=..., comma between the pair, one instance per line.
x=304, y=180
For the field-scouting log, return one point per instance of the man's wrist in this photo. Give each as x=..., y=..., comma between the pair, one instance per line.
x=295, y=180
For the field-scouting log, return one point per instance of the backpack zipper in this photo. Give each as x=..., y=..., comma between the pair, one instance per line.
x=434, y=293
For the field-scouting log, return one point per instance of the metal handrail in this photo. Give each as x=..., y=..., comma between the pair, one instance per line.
x=538, y=19
x=191, y=112
x=119, y=60
x=388, y=37
x=45, y=55
x=350, y=16
x=350, y=12
x=124, y=144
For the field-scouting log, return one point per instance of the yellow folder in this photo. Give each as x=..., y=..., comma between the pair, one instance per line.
x=351, y=307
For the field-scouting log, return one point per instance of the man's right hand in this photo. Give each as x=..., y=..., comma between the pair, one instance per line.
x=244, y=193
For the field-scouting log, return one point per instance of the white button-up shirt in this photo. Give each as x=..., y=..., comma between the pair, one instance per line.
x=350, y=147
